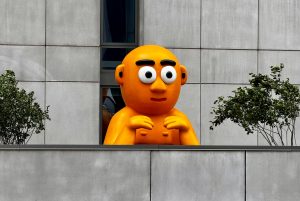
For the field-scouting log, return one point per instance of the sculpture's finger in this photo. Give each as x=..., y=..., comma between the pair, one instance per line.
x=146, y=125
x=166, y=122
x=170, y=117
x=177, y=125
x=147, y=119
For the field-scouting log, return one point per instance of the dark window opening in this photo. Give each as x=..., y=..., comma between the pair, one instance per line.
x=119, y=21
x=112, y=57
x=112, y=102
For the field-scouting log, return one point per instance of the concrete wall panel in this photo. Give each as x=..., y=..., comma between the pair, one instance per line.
x=73, y=22
x=74, y=110
x=194, y=176
x=228, y=133
x=28, y=62
x=227, y=66
x=273, y=176
x=73, y=64
x=229, y=24
x=74, y=176
x=172, y=23
x=279, y=24
x=22, y=22
x=290, y=59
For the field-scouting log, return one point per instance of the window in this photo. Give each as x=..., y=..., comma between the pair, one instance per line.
x=119, y=35
x=119, y=21
x=111, y=57
x=111, y=103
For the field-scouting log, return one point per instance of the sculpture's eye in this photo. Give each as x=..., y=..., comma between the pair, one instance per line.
x=168, y=74
x=147, y=74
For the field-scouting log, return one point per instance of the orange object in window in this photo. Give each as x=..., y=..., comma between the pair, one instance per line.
x=150, y=78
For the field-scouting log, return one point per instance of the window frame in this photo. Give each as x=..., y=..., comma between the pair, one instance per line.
x=102, y=135
x=106, y=75
x=136, y=31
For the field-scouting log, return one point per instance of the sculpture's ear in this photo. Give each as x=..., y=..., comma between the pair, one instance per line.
x=119, y=74
x=183, y=74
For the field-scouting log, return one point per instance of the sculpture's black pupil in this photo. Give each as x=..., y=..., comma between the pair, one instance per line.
x=169, y=74
x=148, y=74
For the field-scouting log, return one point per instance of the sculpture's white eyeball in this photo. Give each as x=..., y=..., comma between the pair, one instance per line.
x=147, y=74
x=168, y=74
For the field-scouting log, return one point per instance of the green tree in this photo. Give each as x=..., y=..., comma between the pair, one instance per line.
x=20, y=115
x=269, y=107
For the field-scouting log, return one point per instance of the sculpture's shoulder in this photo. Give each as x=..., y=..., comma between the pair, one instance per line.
x=176, y=112
x=116, y=125
x=189, y=137
x=123, y=114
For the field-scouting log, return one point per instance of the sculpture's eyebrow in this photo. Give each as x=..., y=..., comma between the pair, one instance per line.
x=144, y=62
x=165, y=62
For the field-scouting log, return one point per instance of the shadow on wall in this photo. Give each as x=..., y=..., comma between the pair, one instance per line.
x=25, y=69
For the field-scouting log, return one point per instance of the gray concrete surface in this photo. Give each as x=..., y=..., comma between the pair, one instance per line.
x=195, y=176
x=229, y=24
x=73, y=22
x=28, y=62
x=74, y=106
x=74, y=176
x=172, y=23
x=227, y=66
x=73, y=64
x=22, y=22
x=227, y=29
x=140, y=175
x=290, y=59
x=279, y=24
x=74, y=110
x=273, y=176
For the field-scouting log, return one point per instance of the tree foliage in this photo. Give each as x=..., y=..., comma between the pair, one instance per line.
x=20, y=115
x=269, y=107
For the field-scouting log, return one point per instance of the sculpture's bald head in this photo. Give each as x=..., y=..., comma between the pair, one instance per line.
x=150, y=78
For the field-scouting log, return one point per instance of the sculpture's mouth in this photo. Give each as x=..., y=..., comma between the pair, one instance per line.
x=158, y=99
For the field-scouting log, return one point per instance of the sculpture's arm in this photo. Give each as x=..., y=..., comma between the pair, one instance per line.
x=179, y=121
x=116, y=126
x=121, y=130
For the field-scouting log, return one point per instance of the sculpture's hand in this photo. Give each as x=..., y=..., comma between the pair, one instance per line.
x=140, y=121
x=176, y=122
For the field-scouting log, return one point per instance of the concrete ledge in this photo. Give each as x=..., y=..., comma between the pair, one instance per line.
x=146, y=148
x=148, y=173
x=72, y=176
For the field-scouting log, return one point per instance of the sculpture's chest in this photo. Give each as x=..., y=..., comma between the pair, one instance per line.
x=158, y=135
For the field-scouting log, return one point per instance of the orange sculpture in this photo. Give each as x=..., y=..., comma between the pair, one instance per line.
x=150, y=78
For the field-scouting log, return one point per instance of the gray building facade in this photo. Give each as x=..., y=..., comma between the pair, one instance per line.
x=54, y=48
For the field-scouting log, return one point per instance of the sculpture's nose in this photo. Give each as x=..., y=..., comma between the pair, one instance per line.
x=158, y=86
